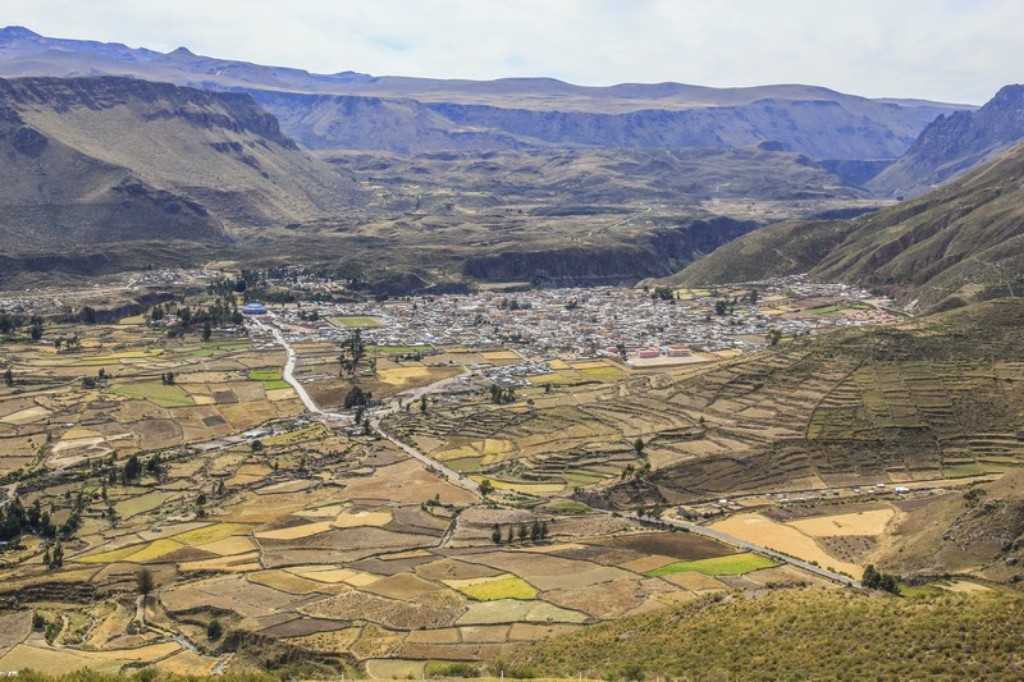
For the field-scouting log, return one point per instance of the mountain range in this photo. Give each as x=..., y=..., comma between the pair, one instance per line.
x=349, y=110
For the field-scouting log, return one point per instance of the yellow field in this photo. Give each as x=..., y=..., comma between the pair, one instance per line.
x=858, y=523
x=782, y=538
x=154, y=550
x=402, y=375
x=506, y=586
x=500, y=355
x=211, y=533
x=110, y=556
x=61, y=661
x=231, y=546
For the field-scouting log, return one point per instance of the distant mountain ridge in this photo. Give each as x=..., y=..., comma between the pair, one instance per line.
x=954, y=144
x=348, y=110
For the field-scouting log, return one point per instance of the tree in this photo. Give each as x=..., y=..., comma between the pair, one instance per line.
x=36, y=331
x=496, y=534
x=523, y=532
x=773, y=337
x=423, y=404
x=721, y=307
x=132, y=468
x=535, y=532
x=57, y=556
x=638, y=446
x=9, y=377
x=352, y=351
x=89, y=315
x=207, y=331
x=511, y=535
x=357, y=397
x=214, y=630
x=144, y=581
x=753, y=296
x=256, y=445
x=876, y=580
x=486, y=487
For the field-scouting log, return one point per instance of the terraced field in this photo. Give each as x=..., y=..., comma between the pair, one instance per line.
x=855, y=407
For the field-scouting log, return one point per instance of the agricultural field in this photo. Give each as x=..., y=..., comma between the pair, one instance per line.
x=333, y=544
x=324, y=540
x=110, y=396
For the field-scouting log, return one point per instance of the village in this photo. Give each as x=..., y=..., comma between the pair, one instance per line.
x=638, y=326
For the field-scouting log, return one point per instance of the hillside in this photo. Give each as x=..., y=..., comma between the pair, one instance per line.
x=793, y=634
x=931, y=399
x=962, y=242
x=356, y=111
x=956, y=143
x=111, y=160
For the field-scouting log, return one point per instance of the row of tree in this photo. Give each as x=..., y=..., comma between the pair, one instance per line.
x=535, y=532
x=12, y=323
x=16, y=520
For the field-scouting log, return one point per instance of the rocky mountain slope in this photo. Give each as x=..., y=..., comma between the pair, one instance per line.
x=956, y=143
x=107, y=160
x=962, y=242
x=357, y=111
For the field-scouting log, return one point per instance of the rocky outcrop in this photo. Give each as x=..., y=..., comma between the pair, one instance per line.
x=956, y=143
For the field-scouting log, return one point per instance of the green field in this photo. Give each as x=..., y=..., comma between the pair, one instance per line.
x=361, y=321
x=734, y=564
x=399, y=349
x=270, y=376
x=265, y=374
x=158, y=394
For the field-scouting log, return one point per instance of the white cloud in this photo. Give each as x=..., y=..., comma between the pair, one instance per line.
x=954, y=50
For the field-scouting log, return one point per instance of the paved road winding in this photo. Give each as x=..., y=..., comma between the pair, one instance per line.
x=288, y=374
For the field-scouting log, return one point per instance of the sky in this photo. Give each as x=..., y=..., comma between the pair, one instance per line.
x=947, y=50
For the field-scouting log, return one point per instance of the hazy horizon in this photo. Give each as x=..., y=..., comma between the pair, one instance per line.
x=950, y=51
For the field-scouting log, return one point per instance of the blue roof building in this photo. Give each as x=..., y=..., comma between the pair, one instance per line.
x=254, y=308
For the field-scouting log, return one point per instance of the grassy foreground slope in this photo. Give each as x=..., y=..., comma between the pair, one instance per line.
x=962, y=242
x=795, y=635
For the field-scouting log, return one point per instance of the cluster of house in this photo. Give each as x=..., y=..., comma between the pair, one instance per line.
x=624, y=323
